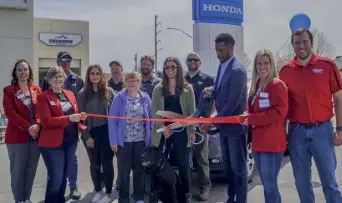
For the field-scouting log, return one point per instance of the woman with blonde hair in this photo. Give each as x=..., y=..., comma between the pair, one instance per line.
x=267, y=109
x=96, y=98
x=59, y=117
x=128, y=138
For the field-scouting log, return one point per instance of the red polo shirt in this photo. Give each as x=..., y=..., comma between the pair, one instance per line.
x=311, y=88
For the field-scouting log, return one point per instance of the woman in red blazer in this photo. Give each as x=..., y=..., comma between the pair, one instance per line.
x=267, y=109
x=59, y=117
x=19, y=102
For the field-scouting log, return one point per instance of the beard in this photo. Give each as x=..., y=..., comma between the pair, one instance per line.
x=193, y=68
x=145, y=71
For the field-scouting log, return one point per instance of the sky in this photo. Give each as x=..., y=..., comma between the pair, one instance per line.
x=121, y=28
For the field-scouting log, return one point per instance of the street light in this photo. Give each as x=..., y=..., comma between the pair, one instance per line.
x=173, y=28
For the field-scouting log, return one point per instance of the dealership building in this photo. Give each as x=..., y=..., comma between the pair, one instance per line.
x=39, y=40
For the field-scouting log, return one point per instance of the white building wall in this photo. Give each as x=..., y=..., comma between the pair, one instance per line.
x=16, y=32
x=204, y=43
x=46, y=55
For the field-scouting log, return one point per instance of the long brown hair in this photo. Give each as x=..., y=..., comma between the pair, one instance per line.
x=14, y=80
x=180, y=81
x=88, y=87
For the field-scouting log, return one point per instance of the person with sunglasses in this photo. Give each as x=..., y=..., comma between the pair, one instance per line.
x=176, y=95
x=199, y=81
x=73, y=83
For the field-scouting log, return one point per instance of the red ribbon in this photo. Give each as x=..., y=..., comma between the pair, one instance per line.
x=227, y=119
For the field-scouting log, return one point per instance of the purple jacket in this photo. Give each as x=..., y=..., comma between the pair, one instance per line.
x=117, y=127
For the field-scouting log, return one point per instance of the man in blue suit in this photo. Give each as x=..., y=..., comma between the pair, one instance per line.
x=230, y=94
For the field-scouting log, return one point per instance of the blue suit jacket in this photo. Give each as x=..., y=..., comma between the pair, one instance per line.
x=231, y=96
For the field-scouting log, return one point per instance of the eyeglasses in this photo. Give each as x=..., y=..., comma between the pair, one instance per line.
x=65, y=60
x=172, y=67
x=192, y=59
x=57, y=77
x=132, y=81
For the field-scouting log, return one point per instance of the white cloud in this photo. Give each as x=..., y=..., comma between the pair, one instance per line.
x=120, y=28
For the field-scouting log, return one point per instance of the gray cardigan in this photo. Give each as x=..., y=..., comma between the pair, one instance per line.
x=94, y=104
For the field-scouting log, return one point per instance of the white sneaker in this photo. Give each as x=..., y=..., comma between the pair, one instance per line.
x=140, y=201
x=96, y=198
x=28, y=201
x=105, y=199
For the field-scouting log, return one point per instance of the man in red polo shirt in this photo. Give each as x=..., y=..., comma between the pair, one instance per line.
x=312, y=82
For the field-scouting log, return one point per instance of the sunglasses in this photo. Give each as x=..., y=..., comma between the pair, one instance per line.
x=172, y=67
x=192, y=59
x=94, y=73
x=64, y=60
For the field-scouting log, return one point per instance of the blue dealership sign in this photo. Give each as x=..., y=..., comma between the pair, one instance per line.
x=218, y=11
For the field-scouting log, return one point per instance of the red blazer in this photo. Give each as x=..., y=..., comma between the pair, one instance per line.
x=18, y=113
x=267, y=116
x=52, y=118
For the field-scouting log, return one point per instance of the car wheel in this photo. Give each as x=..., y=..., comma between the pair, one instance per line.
x=251, y=169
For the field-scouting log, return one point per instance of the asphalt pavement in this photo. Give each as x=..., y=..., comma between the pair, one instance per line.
x=218, y=191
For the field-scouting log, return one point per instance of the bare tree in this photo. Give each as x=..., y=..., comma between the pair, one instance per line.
x=246, y=62
x=321, y=46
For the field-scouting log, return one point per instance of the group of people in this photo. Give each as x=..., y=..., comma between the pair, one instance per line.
x=308, y=89
x=47, y=120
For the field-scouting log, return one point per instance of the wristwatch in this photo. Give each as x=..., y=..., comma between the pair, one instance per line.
x=339, y=128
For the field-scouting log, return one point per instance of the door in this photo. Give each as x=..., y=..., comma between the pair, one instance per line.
x=45, y=64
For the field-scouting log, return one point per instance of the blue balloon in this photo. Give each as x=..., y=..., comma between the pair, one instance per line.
x=300, y=20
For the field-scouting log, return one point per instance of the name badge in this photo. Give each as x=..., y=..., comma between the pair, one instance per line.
x=27, y=101
x=264, y=94
x=52, y=103
x=264, y=103
x=20, y=96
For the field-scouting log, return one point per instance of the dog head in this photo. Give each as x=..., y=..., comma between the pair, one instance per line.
x=152, y=158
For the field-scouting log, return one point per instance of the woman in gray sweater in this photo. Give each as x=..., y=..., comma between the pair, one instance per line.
x=96, y=97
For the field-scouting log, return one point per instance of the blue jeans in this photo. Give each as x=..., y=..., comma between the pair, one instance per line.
x=315, y=141
x=73, y=171
x=268, y=165
x=58, y=162
x=234, y=155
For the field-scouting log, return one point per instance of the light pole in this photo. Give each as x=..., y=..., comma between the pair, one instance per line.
x=156, y=32
x=173, y=28
x=135, y=62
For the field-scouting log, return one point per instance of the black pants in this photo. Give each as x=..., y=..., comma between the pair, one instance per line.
x=179, y=153
x=129, y=159
x=101, y=155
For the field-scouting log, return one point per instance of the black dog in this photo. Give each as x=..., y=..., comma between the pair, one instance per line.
x=164, y=183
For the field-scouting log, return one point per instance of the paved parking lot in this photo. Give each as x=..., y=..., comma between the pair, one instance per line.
x=218, y=194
